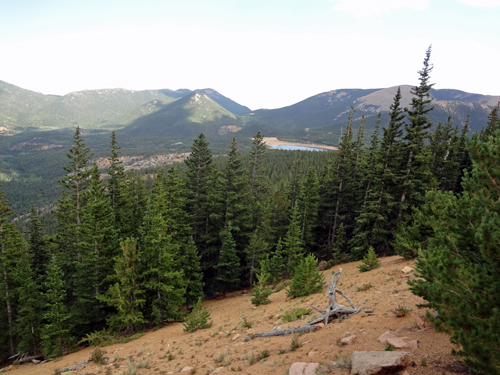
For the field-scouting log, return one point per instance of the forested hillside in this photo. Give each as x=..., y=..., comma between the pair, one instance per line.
x=124, y=257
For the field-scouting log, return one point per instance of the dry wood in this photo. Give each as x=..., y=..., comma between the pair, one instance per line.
x=334, y=310
x=282, y=332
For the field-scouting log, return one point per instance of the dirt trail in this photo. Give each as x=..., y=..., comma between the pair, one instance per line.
x=206, y=349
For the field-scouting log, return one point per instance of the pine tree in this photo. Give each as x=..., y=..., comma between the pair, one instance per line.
x=258, y=183
x=229, y=263
x=98, y=247
x=30, y=306
x=126, y=295
x=260, y=293
x=338, y=248
x=492, y=126
x=115, y=186
x=73, y=200
x=306, y=279
x=55, y=332
x=193, y=275
x=36, y=243
x=294, y=247
x=464, y=162
x=10, y=242
x=295, y=181
x=458, y=269
x=307, y=207
x=418, y=175
x=198, y=319
x=370, y=261
x=378, y=218
x=274, y=264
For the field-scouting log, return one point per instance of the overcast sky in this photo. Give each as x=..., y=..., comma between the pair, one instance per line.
x=260, y=53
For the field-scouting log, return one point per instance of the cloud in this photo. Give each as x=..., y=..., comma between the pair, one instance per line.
x=371, y=8
x=481, y=3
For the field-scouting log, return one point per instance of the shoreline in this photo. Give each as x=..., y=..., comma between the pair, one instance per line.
x=270, y=141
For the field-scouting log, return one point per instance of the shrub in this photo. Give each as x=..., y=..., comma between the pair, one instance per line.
x=370, y=261
x=306, y=279
x=97, y=356
x=198, y=319
x=401, y=311
x=260, y=295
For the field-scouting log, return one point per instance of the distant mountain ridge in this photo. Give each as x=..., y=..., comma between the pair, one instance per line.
x=184, y=113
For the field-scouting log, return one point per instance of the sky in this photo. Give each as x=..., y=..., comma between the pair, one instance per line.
x=260, y=53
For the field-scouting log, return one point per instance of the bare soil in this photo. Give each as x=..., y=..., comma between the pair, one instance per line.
x=270, y=141
x=224, y=345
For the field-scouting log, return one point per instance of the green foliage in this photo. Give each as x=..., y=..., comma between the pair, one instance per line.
x=458, y=269
x=229, y=263
x=198, y=319
x=126, y=294
x=370, y=261
x=294, y=314
x=293, y=244
x=97, y=356
x=55, y=332
x=260, y=294
x=389, y=348
x=307, y=279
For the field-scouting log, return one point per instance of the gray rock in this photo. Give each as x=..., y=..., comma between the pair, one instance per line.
x=375, y=363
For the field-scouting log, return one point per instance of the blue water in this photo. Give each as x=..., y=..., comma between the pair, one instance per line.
x=302, y=148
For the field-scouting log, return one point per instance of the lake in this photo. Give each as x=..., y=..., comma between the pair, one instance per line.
x=302, y=148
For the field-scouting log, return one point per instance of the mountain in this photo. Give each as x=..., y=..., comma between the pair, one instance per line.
x=24, y=110
x=185, y=117
x=330, y=109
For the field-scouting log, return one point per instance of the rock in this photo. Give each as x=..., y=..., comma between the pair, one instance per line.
x=320, y=325
x=407, y=269
x=11, y=367
x=187, y=369
x=348, y=340
x=412, y=345
x=302, y=368
x=312, y=353
x=397, y=342
x=235, y=337
x=374, y=363
x=386, y=336
x=321, y=265
x=218, y=370
x=420, y=322
x=377, y=292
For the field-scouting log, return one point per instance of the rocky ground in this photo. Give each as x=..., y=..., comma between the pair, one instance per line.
x=224, y=349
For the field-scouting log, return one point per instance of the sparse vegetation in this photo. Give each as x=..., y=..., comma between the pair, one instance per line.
x=401, y=311
x=294, y=343
x=198, y=319
x=363, y=288
x=294, y=314
x=97, y=356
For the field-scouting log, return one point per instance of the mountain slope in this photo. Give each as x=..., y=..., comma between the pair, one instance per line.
x=185, y=117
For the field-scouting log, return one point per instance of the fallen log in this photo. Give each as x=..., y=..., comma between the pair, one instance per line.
x=70, y=368
x=282, y=332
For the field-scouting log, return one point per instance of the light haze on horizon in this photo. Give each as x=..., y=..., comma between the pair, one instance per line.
x=260, y=53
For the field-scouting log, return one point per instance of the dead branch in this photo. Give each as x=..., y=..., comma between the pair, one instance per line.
x=282, y=332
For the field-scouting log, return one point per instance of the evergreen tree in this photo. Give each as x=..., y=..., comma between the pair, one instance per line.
x=418, y=175
x=198, y=319
x=337, y=252
x=492, y=126
x=135, y=201
x=295, y=181
x=126, y=295
x=274, y=264
x=30, y=306
x=260, y=293
x=306, y=279
x=55, y=332
x=377, y=220
x=458, y=269
x=72, y=203
x=258, y=183
x=229, y=263
x=193, y=275
x=10, y=242
x=115, y=187
x=294, y=247
x=307, y=207
x=36, y=243
x=444, y=165
x=236, y=195
x=464, y=162
x=98, y=247
x=370, y=261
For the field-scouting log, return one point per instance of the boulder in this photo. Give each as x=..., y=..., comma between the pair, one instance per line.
x=303, y=368
x=312, y=353
x=376, y=363
x=187, y=369
x=397, y=342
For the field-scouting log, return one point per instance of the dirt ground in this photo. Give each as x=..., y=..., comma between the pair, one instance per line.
x=270, y=141
x=169, y=349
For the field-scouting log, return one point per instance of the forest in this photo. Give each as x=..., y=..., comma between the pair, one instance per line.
x=124, y=257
